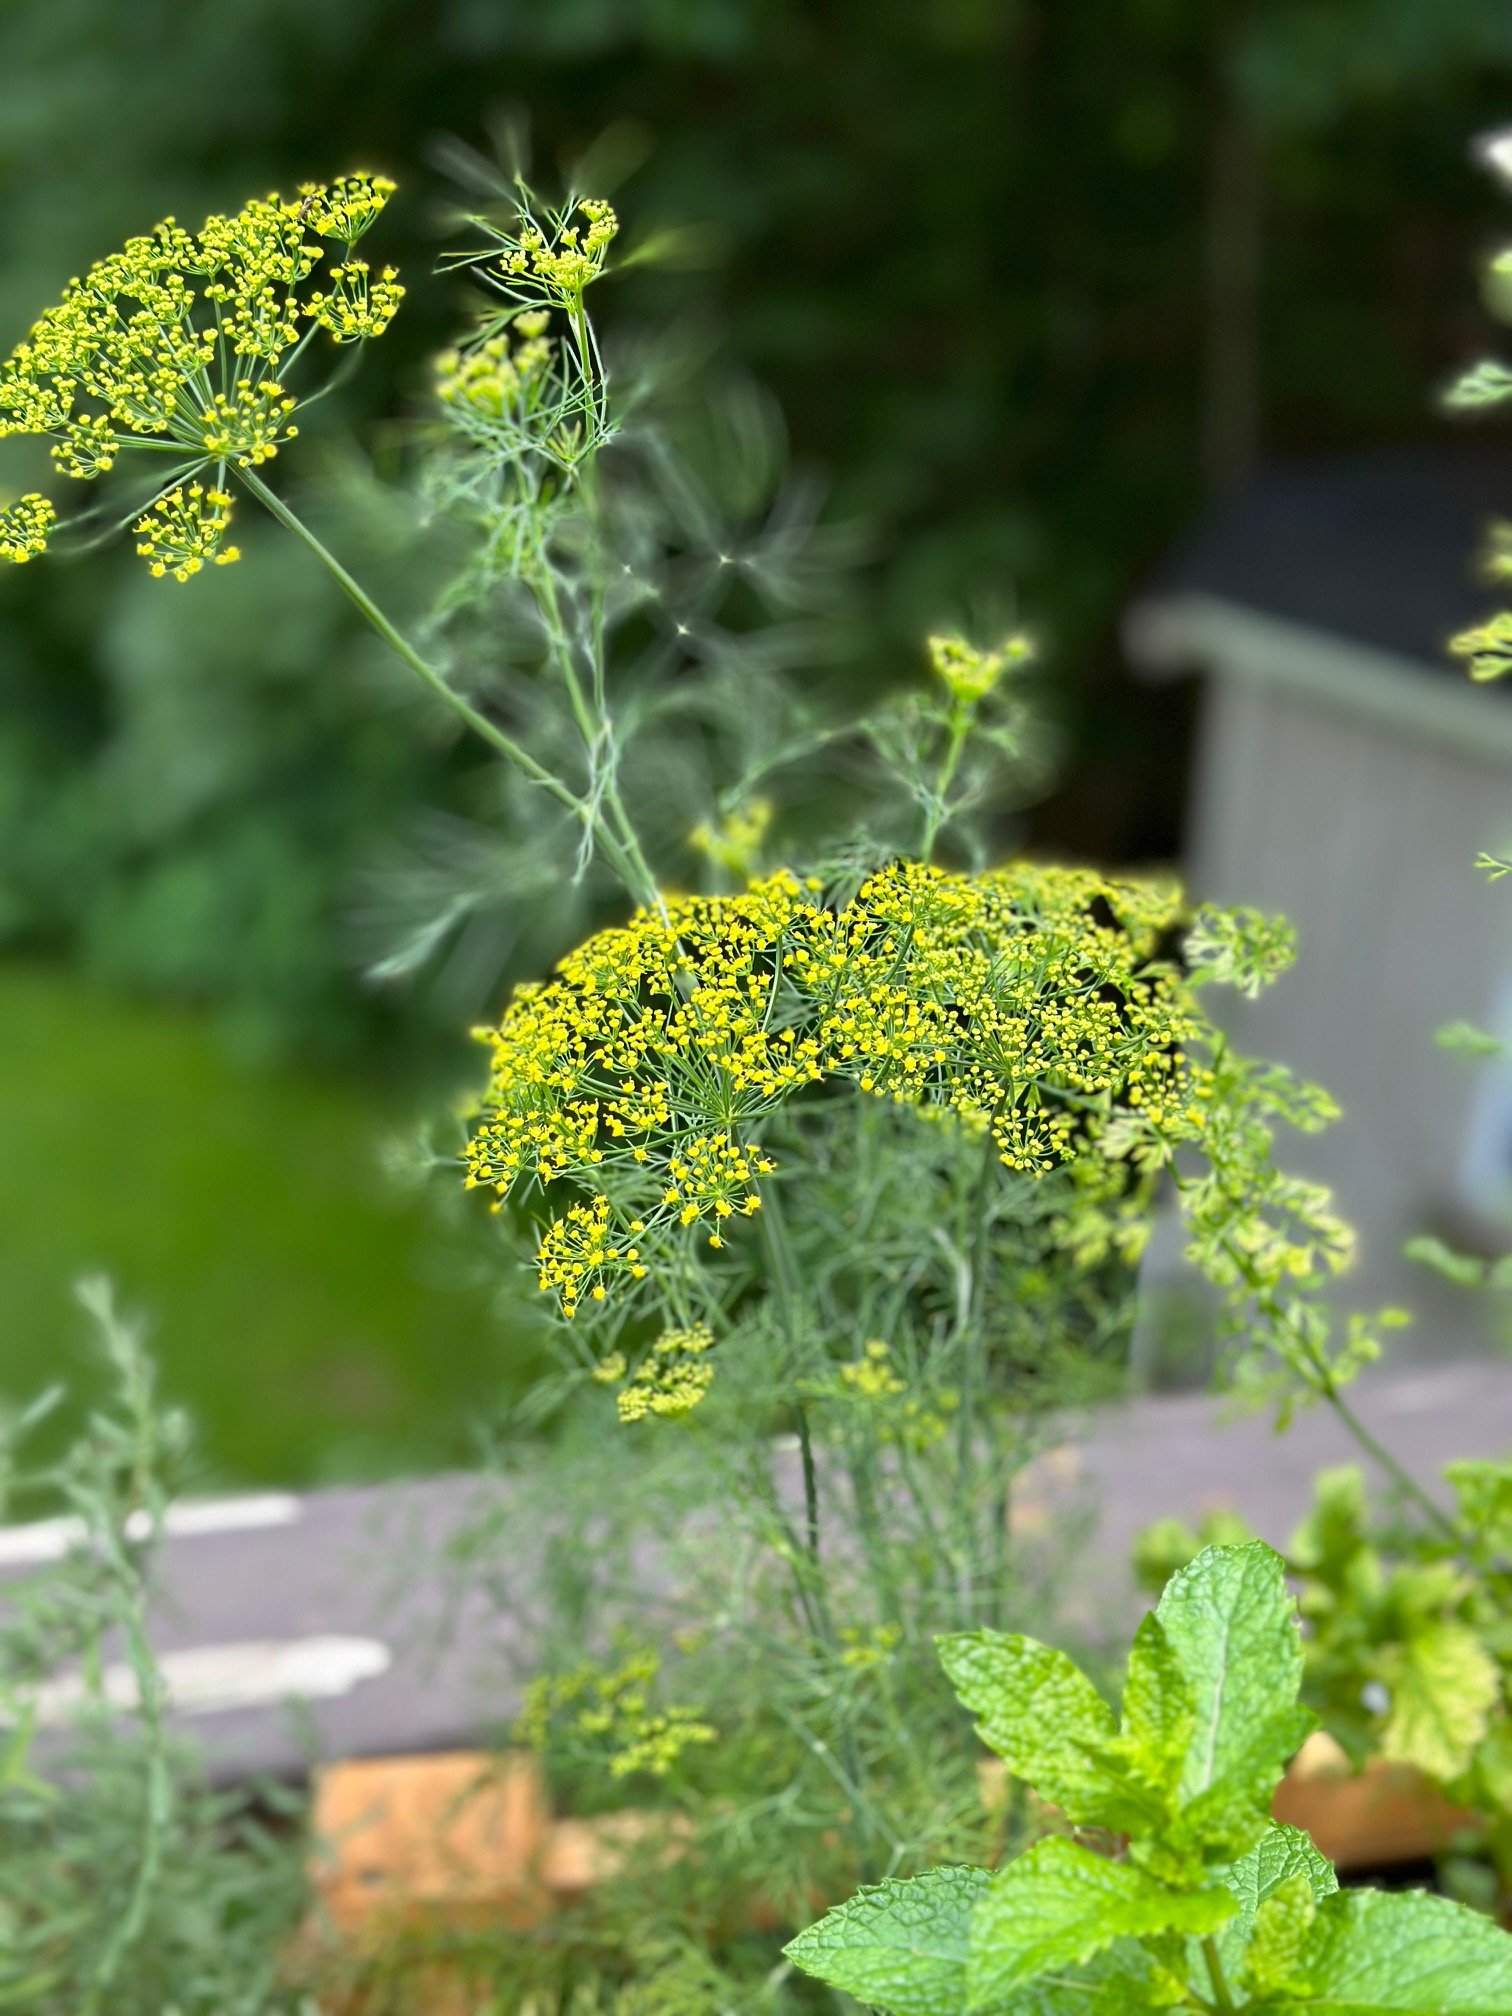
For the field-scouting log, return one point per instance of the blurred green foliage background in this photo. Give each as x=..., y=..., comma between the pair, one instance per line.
x=1030, y=280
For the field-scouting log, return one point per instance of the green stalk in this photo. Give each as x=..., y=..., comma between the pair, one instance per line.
x=934, y=812
x=973, y=1357
x=1222, y=1999
x=810, y=1484
x=1405, y=1482
x=809, y=1572
x=635, y=876
x=593, y=727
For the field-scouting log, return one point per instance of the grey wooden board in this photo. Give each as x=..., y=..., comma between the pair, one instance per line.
x=373, y=1562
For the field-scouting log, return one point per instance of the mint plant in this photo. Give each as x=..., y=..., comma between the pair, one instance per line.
x=1172, y=1888
x=1408, y=1650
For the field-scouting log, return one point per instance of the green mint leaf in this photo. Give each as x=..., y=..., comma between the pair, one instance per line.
x=1043, y=1716
x=1059, y=1904
x=1335, y=1532
x=1280, y=1857
x=1280, y=1854
x=1231, y=1622
x=1159, y=1710
x=1278, y=1940
x=1400, y=1953
x=1124, y=1981
x=1443, y=1684
x=901, y=1945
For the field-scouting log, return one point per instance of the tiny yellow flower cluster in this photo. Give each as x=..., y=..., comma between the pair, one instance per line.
x=24, y=528
x=1031, y=1002
x=174, y=340
x=735, y=843
x=713, y=1176
x=248, y=425
x=904, y=1419
x=581, y=1251
x=89, y=447
x=672, y=1378
x=184, y=529
x=345, y=209
x=871, y=1376
x=357, y=307
x=612, y=1711
x=571, y=258
x=866, y=1649
x=968, y=674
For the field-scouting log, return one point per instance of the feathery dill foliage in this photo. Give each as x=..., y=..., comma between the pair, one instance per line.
x=178, y=345
x=128, y=1886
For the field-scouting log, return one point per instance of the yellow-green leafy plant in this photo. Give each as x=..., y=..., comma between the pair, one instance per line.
x=1168, y=1885
x=1407, y=1646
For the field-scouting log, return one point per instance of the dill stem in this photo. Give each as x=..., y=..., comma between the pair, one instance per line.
x=1379, y=1454
x=808, y=1572
x=810, y=1483
x=635, y=876
x=935, y=810
x=595, y=729
x=972, y=1343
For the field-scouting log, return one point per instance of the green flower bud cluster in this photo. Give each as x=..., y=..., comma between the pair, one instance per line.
x=968, y=674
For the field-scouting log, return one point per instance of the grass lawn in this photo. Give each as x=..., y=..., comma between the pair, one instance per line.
x=299, y=1310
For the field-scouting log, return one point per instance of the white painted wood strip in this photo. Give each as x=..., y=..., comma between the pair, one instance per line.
x=44, y=1540
x=212, y=1679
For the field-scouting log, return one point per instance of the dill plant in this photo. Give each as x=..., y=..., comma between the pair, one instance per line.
x=128, y=1885
x=833, y=1176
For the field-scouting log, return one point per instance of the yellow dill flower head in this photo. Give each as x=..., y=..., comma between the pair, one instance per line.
x=183, y=530
x=357, y=307
x=88, y=448
x=246, y=427
x=24, y=528
x=563, y=256
x=346, y=208
x=1033, y=1003
x=175, y=341
x=1488, y=647
x=613, y=1710
x=866, y=1648
x=672, y=1378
